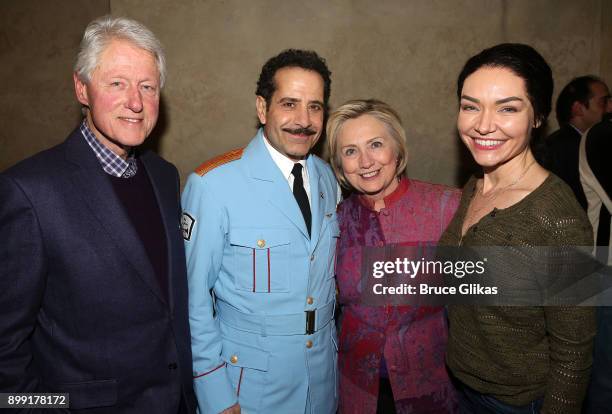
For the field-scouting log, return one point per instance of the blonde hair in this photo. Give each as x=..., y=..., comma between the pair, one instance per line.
x=354, y=109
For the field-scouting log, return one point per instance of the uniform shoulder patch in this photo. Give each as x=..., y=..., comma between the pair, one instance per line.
x=187, y=222
x=219, y=160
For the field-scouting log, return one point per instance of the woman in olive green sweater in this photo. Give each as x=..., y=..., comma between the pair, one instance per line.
x=515, y=359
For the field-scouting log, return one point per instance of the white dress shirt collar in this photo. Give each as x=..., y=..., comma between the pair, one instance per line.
x=576, y=128
x=285, y=164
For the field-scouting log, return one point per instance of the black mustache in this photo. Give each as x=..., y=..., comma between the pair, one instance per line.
x=300, y=131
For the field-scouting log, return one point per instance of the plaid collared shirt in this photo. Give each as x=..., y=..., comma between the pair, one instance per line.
x=112, y=164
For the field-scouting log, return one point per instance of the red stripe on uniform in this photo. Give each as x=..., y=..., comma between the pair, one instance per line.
x=239, y=382
x=268, y=270
x=253, y=270
x=212, y=370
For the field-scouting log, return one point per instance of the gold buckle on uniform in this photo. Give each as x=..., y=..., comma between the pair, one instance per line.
x=310, y=322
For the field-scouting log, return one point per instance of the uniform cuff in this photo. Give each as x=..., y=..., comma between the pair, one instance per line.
x=214, y=391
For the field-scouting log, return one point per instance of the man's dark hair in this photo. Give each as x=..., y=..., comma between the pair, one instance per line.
x=305, y=59
x=578, y=90
x=526, y=63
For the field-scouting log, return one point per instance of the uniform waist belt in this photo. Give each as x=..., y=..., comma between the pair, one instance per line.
x=293, y=324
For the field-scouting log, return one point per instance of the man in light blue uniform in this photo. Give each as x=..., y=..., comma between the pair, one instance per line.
x=260, y=232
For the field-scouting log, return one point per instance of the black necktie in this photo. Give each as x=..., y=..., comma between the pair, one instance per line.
x=300, y=194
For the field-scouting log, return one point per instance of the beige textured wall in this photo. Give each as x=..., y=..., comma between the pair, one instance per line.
x=406, y=52
x=38, y=44
x=606, y=41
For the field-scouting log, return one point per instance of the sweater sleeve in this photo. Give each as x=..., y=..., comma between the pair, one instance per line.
x=571, y=330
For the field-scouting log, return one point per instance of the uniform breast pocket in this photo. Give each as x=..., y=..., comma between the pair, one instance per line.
x=260, y=259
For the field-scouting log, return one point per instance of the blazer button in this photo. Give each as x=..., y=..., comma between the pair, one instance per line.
x=261, y=243
x=234, y=359
x=172, y=366
x=309, y=300
x=309, y=344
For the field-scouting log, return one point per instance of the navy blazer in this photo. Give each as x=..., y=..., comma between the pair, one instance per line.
x=561, y=158
x=81, y=309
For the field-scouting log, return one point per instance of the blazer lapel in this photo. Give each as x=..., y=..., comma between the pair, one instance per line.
x=317, y=202
x=263, y=169
x=166, y=194
x=97, y=193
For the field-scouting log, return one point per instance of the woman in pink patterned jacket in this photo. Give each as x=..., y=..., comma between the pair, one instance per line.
x=391, y=358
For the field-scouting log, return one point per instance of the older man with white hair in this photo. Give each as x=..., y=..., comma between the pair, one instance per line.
x=93, y=285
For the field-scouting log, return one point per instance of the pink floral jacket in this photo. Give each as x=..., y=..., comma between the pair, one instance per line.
x=412, y=339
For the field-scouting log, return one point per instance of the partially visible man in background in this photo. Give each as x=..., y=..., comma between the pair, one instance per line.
x=93, y=286
x=596, y=177
x=580, y=105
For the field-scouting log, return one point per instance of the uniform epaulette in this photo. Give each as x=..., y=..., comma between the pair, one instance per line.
x=213, y=163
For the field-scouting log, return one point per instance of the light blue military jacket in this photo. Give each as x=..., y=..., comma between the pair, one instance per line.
x=246, y=240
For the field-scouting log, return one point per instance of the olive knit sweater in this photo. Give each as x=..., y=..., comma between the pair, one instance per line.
x=519, y=354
